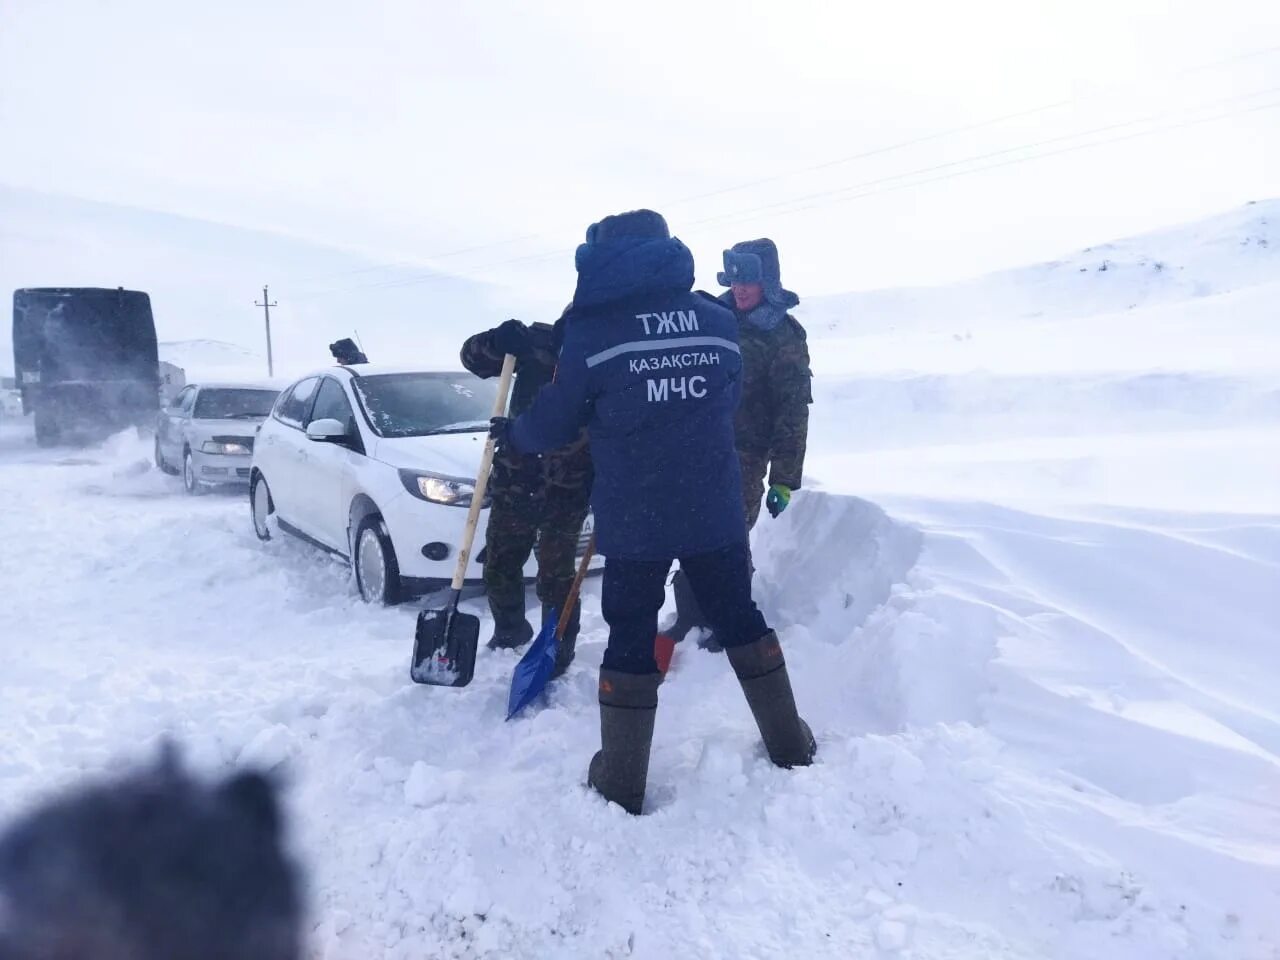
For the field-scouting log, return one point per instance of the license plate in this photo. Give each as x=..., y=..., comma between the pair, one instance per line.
x=30, y=376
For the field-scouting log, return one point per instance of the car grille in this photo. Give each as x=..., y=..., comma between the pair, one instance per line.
x=246, y=442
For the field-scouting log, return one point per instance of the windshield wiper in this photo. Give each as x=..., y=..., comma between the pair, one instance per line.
x=462, y=426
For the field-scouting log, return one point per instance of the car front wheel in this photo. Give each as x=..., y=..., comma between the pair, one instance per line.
x=376, y=569
x=189, y=479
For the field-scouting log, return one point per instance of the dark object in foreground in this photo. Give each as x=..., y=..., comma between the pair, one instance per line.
x=152, y=865
x=445, y=642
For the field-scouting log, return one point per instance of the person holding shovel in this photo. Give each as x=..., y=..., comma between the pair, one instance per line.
x=654, y=372
x=538, y=501
x=772, y=424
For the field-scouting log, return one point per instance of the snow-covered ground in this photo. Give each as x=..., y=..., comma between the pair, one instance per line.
x=1031, y=603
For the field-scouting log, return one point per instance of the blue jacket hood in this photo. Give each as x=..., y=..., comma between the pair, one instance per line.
x=628, y=266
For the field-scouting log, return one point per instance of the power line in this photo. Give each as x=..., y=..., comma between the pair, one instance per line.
x=788, y=206
x=988, y=155
x=430, y=274
x=968, y=128
x=1040, y=156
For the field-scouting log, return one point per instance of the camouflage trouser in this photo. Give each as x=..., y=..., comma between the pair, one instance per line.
x=540, y=503
x=755, y=467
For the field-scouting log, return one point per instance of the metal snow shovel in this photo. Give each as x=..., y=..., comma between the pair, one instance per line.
x=535, y=667
x=444, y=648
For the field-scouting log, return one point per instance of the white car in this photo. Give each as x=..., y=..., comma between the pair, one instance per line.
x=377, y=465
x=206, y=434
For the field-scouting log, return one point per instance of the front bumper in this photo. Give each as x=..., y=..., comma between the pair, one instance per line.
x=417, y=524
x=221, y=467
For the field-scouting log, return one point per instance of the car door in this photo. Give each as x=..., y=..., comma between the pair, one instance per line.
x=171, y=432
x=270, y=454
x=287, y=452
x=328, y=467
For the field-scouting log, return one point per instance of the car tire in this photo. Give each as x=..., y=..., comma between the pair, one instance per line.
x=162, y=464
x=374, y=561
x=190, y=482
x=261, y=507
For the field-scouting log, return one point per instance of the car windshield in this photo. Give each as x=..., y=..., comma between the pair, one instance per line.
x=237, y=404
x=419, y=404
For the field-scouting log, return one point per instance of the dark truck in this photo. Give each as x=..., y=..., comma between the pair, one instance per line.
x=85, y=360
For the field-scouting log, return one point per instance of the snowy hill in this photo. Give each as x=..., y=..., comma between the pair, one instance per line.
x=1028, y=599
x=1065, y=381
x=1227, y=253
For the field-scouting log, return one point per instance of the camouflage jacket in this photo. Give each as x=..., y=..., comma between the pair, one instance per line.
x=773, y=418
x=570, y=465
x=533, y=372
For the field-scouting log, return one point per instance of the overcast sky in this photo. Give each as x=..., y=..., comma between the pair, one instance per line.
x=407, y=130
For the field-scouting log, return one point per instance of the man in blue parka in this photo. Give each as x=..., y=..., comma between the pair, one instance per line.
x=654, y=372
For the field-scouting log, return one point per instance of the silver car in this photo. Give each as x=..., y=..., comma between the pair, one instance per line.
x=207, y=433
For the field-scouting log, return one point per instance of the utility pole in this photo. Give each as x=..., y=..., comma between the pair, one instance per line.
x=266, y=306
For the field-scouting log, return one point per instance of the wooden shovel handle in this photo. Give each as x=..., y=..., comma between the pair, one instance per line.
x=572, y=599
x=482, y=476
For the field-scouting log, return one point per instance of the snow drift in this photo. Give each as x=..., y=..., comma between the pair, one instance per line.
x=1045, y=707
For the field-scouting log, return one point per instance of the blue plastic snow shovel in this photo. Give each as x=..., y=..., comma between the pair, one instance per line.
x=536, y=666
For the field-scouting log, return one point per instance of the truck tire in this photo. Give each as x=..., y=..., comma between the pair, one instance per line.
x=48, y=433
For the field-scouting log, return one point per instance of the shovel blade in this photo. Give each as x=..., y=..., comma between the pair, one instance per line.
x=531, y=674
x=664, y=648
x=444, y=648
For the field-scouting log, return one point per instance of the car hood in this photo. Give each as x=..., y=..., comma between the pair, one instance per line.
x=452, y=454
x=227, y=428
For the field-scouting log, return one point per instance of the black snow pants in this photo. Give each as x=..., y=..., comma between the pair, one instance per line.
x=634, y=590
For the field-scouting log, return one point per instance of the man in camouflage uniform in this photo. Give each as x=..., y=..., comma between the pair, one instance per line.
x=538, y=500
x=772, y=425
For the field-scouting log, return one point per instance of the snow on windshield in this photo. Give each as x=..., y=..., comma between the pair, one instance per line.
x=417, y=404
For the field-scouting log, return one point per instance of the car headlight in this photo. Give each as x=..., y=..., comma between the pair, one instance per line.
x=225, y=447
x=434, y=488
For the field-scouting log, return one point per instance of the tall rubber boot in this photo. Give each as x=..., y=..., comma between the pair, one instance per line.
x=569, y=642
x=511, y=629
x=628, y=705
x=763, y=674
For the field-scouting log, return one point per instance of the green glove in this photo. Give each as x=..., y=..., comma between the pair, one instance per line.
x=777, y=500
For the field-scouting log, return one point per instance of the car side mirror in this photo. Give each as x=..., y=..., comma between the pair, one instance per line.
x=327, y=430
